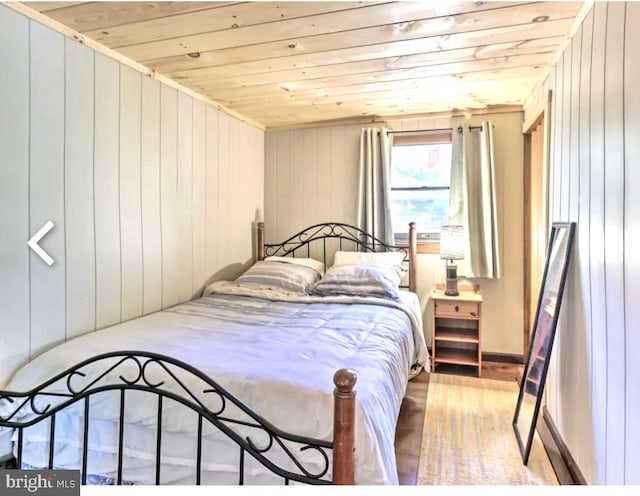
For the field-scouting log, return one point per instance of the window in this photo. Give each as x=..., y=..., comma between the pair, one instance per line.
x=420, y=183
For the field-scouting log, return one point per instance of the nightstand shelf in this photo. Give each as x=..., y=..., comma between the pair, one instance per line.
x=457, y=334
x=458, y=357
x=457, y=330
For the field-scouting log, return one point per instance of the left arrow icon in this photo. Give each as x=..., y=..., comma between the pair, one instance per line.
x=33, y=243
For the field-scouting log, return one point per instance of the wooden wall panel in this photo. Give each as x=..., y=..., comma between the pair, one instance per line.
x=169, y=196
x=313, y=175
x=555, y=174
x=573, y=382
x=130, y=193
x=129, y=170
x=271, y=182
x=224, y=196
x=185, y=192
x=283, y=226
x=14, y=191
x=211, y=206
x=596, y=377
x=322, y=185
x=614, y=239
x=556, y=170
x=296, y=179
x=326, y=184
x=198, y=194
x=79, y=188
x=235, y=204
x=582, y=276
x=107, y=191
x=631, y=243
x=150, y=196
x=596, y=248
x=346, y=148
x=46, y=182
x=567, y=125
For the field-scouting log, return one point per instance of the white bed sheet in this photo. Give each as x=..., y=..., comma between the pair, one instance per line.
x=277, y=357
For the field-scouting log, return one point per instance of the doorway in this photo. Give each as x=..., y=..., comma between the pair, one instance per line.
x=536, y=210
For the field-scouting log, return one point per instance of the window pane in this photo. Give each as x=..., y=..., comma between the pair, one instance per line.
x=428, y=209
x=421, y=165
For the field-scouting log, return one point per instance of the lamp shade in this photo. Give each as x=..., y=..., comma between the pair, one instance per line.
x=452, y=242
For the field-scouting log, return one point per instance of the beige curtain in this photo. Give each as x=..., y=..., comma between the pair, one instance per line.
x=374, y=213
x=473, y=200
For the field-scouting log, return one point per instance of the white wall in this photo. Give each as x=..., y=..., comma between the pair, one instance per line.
x=592, y=389
x=151, y=191
x=311, y=176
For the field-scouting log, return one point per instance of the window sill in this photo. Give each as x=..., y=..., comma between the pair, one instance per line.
x=432, y=247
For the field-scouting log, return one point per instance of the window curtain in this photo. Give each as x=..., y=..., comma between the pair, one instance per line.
x=473, y=199
x=374, y=212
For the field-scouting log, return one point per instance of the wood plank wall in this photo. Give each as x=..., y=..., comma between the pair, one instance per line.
x=311, y=175
x=593, y=394
x=151, y=191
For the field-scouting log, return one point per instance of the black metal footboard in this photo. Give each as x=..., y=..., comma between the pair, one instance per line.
x=163, y=378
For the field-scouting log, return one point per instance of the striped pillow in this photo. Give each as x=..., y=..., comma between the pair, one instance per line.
x=280, y=275
x=361, y=279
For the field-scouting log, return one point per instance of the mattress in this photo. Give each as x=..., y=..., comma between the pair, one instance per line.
x=277, y=353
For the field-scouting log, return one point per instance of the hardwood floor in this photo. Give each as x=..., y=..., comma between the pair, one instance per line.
x=411, y=418
x=409, y=429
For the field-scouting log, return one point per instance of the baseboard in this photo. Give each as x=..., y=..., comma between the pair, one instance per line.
x=562, y=449
x=502, y=357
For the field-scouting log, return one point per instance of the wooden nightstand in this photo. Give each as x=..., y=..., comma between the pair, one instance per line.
x=457, y=330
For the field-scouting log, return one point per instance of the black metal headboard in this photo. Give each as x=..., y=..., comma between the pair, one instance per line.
x=300, y=244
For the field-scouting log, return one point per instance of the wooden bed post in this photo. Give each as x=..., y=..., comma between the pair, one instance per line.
x=413, y=257
x=344, y=407
x=260, y=240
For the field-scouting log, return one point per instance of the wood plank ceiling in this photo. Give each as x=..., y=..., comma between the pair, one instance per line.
x=294, y=63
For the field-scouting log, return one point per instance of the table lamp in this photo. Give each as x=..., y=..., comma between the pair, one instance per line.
x=452, y=248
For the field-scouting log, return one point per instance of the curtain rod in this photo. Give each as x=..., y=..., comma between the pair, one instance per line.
x=422, y=131
x=471, y=128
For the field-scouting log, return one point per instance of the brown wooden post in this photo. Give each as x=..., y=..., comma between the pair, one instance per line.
x=413, y=257
x=344, y=408
x=260, y=240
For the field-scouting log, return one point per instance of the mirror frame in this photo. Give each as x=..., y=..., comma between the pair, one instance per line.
x=556, y=228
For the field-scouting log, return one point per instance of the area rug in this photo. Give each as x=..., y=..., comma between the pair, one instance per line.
x=468, y=439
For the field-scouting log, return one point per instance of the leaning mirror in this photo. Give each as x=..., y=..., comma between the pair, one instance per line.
x=544, y=328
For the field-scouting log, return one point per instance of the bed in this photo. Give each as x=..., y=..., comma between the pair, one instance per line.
x=251, y=383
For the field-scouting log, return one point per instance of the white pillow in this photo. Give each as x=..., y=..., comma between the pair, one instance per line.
x=360, y=279
x=351, y=257
x=307, y=262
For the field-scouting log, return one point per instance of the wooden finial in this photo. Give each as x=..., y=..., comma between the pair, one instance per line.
x=413, y=257
x=260, y=240
x=344, y=380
